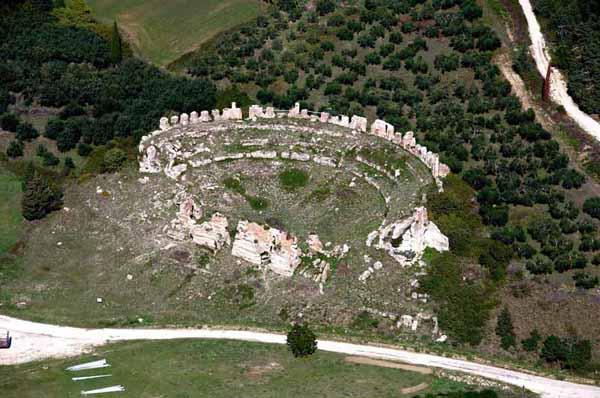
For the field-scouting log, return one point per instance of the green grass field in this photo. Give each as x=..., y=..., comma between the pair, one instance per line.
x=10, y=210
x=163, y=31
x=183, y=369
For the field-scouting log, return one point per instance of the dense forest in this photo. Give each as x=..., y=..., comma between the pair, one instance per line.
x=574, y=30
x=75, y=69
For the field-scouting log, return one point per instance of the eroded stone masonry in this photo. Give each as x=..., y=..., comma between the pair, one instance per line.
x=166, y=150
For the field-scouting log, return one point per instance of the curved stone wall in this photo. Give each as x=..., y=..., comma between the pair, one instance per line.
x=357, y=124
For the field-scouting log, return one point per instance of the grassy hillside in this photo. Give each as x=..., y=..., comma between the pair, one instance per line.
x=10, y=212
x=163, y=31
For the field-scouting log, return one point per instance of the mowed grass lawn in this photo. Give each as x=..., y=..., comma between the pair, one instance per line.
x=204, y=368
x=162, y=31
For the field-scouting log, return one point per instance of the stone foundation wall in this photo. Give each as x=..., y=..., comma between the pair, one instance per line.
x=378, y=128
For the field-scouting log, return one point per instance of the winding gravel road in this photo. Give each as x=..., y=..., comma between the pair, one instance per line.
x=558, y=86
x=34, y=341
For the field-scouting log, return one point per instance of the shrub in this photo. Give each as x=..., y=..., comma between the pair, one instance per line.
x=293, y=178
x=325, y=6
x=591, y=206
x=301, y=341
x=84, y=149
x=38, y=199
x=365, y=321
x=15, y=149
x=114, y=159
x=532, y=343
x=585, y=281
x=9, y=122
x=257, y=203
x=26, y=132
x=504, y=329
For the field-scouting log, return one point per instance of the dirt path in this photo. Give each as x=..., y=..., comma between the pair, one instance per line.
x=35, y=341
x=558, y=86
x=504, y=62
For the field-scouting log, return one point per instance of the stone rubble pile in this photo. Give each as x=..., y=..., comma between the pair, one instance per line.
x=267, y=246
x=406, y=240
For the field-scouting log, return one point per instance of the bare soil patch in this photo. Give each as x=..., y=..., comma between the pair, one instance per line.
x=390, y=364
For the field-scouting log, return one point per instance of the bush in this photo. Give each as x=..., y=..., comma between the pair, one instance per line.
x=15, y=149
x=591, y=206
x=114, y=159
x=325, y=6
x=26, y=132
x=9, y=122
x=585, y=281
x=257, y=203
x=532, y=343
x=84, y=149
x=301, y=341
x=38, y=198
x=504, y=329
x=293, y=178
x=365, y=321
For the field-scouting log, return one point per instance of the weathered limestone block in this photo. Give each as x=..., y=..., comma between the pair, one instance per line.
x=359, y=123
x=216, y=115
x=213, y=234
x=382, y=129
x=234, y=156
x=444, y=170
x=184, y=119
x=205, y=116
x=174, y=120
x=150, y=161
x=164, y=123
x=325, y=161
x=200, y=163
x=295, y=111
x=409, y=140
x=262, y=155
x=194, y=117
x=233, y=113
x=302, y=157
x=314, y=243
x=174, y=171
x=344, y=121
x=270, y=113
x=189, y=211
x=265, y=246
x=324, y=117
x=334, y=120
x=255, y=111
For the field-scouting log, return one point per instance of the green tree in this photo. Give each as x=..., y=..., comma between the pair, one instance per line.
x=592, y=207
x=301, y=340
x=15, y=149
x=554, y=349
x=532, y=343
x=505, y=330
x=116, y=46
x=38, y=198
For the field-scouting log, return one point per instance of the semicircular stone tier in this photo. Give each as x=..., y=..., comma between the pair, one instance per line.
x=179, y=150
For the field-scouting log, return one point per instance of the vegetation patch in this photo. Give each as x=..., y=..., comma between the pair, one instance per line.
x=293, y=178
